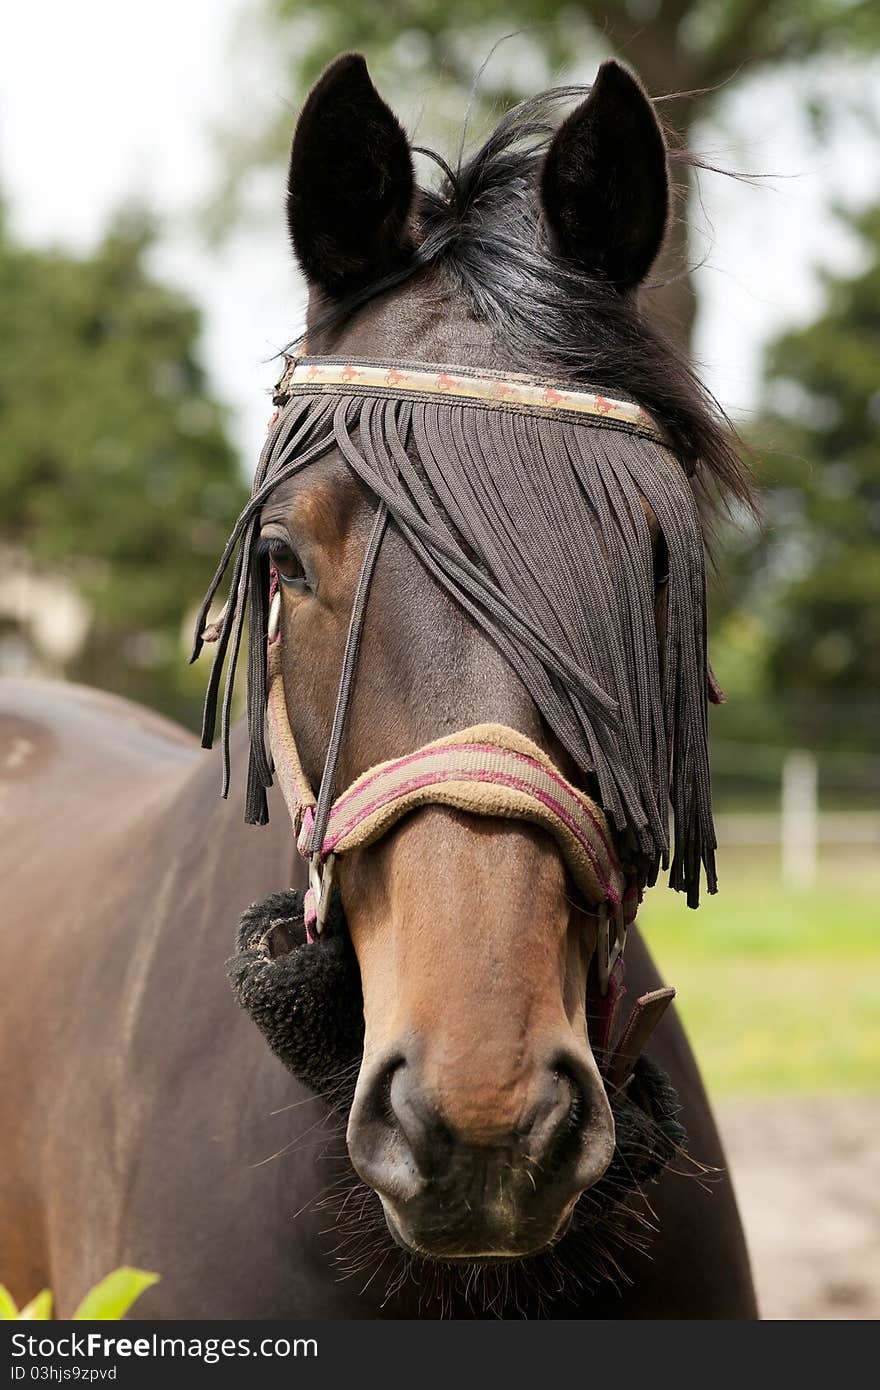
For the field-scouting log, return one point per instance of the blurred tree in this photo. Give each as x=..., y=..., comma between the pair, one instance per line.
x=432, y=49
x=116, y=470
x=807, y=614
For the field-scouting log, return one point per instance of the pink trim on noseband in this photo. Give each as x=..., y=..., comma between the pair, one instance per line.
x=489, y=748
x=487, y=778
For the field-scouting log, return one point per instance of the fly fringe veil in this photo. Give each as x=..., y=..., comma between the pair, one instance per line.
x=534, y=522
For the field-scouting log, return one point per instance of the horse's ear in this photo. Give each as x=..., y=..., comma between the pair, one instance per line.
x=605, y=184
x=350, y=185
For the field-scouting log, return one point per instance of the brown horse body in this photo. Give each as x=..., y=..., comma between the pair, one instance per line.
x=139, y=1105
x=140, y=1108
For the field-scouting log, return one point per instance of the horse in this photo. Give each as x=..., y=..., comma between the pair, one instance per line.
x=441, y=1173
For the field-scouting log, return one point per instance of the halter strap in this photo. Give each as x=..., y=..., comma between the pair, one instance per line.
x=487, y=770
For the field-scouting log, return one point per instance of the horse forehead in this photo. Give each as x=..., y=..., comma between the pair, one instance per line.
x=321, y=504
x=425, y=320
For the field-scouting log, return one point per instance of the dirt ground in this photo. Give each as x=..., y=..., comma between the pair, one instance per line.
x=806, y=1171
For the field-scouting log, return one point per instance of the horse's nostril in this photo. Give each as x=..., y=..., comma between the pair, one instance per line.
x=374, y=1106
x=382, y=1100
x=378, y=1146
x=583, y=1141
x=577, y=1091
x=553, y=1131
x=429, y=1139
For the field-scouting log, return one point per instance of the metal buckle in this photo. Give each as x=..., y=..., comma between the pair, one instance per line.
x=608, y=949
x=321, y=878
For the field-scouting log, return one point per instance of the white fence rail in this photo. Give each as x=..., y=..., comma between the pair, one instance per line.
x=798, y=830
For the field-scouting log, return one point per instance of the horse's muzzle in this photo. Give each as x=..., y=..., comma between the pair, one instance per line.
x=453, y=1195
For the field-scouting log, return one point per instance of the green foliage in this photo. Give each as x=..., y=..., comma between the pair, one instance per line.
x=108, y=1301
x=426, y=55
x=117, y=472
x=712, y=37
x=808, y=592
x=433, y=48
x=114, y=1295
x=38, y=1310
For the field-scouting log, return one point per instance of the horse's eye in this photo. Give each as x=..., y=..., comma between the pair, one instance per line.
x=287, y=564
x=288, y=568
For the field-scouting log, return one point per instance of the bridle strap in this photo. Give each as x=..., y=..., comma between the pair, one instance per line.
x=487, y=770
x=349, y=667
x=500, y=390
x=295, y=786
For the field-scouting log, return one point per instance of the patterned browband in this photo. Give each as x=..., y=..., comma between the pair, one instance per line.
x=499, y=390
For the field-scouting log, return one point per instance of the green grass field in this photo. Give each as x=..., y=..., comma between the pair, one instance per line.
x=778, y=991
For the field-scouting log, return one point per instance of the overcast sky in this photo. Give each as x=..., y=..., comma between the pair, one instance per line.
x=102, y=101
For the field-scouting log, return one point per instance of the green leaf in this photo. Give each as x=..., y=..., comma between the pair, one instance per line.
x=7, y=1305
x=39, y=1309
x=113, y=1296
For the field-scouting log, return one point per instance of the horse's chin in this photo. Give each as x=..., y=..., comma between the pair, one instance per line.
x=461, y=1257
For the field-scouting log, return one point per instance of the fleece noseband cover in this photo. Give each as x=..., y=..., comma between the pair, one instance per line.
x=304, y=996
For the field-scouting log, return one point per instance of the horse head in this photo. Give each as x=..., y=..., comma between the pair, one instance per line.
x=480, y=1115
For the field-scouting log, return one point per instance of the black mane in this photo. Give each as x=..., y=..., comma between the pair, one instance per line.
x=483, y=230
